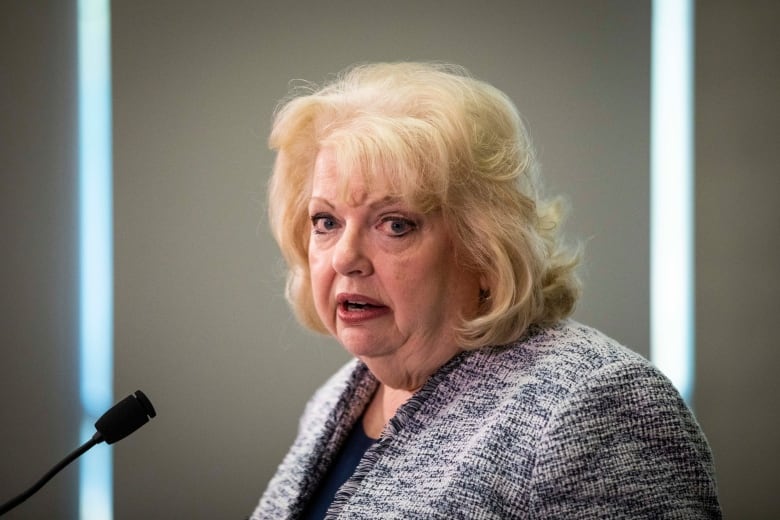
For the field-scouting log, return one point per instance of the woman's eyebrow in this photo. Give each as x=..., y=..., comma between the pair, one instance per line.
x=321, y=200
x=389, y=200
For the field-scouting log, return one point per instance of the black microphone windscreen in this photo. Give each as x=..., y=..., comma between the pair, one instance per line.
x=125, y=417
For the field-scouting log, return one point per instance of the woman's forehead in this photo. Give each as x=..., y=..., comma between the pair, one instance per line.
x=353, y=181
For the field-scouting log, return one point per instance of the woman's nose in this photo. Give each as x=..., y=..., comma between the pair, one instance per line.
x=350, y=256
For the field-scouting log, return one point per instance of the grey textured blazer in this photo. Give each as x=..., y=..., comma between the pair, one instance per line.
x=564, y=423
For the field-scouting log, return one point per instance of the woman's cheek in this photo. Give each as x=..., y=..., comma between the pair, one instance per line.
x=319, y=261
x=318, y=280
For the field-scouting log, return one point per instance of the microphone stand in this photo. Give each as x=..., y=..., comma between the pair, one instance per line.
x=78, y=452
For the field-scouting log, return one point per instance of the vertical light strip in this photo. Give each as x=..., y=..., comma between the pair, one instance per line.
x=671, y=205
x=95, y=250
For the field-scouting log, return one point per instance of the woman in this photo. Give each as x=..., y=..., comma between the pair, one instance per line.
x=404, y=200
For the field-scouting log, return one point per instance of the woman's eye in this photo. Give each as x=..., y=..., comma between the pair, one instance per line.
x=398, y=226
x=323, y=223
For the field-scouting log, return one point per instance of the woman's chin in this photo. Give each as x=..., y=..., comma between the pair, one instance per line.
x=362, y=350
x=363, y=344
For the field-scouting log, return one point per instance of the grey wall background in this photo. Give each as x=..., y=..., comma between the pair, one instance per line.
x=39, y=407
x=201, y=323
x=737, y=248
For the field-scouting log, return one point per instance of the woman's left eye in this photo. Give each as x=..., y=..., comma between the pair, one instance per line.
x=397, y=226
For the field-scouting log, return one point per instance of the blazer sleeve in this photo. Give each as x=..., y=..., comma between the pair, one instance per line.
x=624, y=445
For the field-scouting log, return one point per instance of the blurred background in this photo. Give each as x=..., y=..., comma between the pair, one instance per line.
x=200, y=321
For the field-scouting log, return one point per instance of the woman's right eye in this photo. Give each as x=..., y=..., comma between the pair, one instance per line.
x=323, y=223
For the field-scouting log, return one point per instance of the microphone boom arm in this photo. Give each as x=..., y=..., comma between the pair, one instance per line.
x=78, y=452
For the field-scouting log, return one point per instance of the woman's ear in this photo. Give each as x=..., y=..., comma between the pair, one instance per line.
x=484, y=289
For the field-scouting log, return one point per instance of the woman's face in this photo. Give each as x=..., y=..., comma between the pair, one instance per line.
x=384, y=277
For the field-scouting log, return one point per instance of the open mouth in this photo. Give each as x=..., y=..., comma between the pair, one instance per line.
x=358, y=306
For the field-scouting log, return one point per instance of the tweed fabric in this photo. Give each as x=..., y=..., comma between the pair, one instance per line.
x=564, y=423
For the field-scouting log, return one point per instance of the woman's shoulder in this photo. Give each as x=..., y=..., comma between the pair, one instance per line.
x=561, y=360
x=572, y=340
x=567, y=349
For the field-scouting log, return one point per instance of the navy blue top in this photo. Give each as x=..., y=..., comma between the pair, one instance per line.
x=355, y=445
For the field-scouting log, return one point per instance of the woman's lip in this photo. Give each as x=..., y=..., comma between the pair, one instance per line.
x=343, y=298
x=365, y=310
x=353, y=316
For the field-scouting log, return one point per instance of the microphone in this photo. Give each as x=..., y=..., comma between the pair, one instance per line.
x=125, y=417
x=121, y=420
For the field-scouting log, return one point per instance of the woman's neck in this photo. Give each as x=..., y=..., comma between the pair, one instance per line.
x=382, y=407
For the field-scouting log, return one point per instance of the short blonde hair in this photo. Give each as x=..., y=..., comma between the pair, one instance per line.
x=446, y=142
